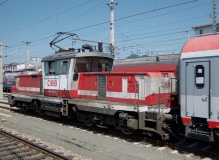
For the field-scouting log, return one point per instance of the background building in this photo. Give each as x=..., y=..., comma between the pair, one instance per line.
x=12, y=67
x=205, y=29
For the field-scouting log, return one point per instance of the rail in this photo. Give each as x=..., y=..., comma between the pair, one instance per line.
x=15, y=147
x=179, y=145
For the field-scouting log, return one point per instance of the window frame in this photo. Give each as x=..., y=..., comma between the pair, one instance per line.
x=200, y=76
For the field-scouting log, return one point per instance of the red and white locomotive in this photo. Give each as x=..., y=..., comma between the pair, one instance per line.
x=83, y=86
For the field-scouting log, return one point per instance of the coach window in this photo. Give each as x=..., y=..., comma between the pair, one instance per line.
x=199, y=76
x=64, y=67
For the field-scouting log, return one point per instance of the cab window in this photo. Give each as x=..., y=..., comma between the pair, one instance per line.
x=93, y=64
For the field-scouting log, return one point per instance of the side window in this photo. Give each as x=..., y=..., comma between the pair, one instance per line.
x=64, y=67
x=199, y=76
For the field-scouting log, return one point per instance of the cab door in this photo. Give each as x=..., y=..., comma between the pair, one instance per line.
x=63, y=77
x=197, y=89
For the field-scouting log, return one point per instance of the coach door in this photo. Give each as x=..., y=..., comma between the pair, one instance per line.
x=197, y=89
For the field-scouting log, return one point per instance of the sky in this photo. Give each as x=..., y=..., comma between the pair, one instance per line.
x=142, y=27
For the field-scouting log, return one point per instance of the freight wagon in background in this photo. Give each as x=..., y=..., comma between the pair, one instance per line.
x=177, y=97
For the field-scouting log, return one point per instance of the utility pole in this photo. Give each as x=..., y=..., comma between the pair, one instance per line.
x=112, y=46
x=214, y=16
x=188, y=35
x=28, y=53
x=1, y=72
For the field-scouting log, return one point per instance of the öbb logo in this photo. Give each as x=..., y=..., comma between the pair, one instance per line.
x=52, y=82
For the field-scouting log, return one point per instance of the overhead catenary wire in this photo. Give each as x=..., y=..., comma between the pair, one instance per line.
x=119, y=19
x=3, y=2
x=51, y=16
x=159, y=9
x=135, y=15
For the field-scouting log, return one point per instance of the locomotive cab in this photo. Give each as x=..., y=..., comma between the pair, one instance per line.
x=62, y=69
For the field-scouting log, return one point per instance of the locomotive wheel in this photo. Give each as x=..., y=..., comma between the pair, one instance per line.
x=86, y=118
x=127, y=131
x=88, y=123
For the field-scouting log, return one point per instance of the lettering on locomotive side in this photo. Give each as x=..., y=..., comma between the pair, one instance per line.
x=52, y=83
x=165, y=84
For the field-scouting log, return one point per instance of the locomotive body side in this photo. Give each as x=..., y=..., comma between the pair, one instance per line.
x=28, y=83
x=199, y=89
x=141, y=100
x=146, y=88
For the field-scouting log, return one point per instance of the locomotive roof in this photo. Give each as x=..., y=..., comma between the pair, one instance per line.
x=73, y=54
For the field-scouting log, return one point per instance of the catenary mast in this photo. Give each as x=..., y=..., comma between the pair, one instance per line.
x=28, y=53
x=1, y=72
x=112, y=45
x=214, y=16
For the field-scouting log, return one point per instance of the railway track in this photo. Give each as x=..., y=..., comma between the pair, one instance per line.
x=15, y=147
x=183, y=146
x=191, y=149
x=198, y=148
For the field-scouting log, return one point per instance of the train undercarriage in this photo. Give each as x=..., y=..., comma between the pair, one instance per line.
x=200, y=130
x=101, y=114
